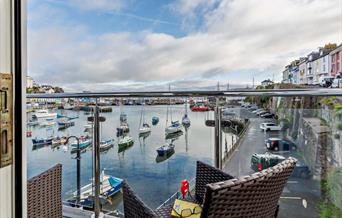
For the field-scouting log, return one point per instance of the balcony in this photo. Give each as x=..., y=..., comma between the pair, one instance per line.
x=309, y=122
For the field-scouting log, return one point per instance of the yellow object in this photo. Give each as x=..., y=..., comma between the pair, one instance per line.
x=180, y=205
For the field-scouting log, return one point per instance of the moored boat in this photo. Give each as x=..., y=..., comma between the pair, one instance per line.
x=106, y=145
x=199, y=108
x=126, y=141
x=173, y=128
x=42, y=141
x=145, y=128
x=155, y=121
x=109, y=186
x=166, y=149
x=40, y=114
x=65, y=123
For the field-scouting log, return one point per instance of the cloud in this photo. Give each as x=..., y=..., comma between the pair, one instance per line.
x=237, y=40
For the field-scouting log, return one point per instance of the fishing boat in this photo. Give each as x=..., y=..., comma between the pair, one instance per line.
x=106, y=145
x=47, y=122
x=60, y=116
x=200, y=108
x=173, y=128
x=85, y=142
x=155, y=121
x=32, y=123
x=59, y=140
x=40, y=114
x=62, y=124
x=72, y=117
x=42, y=141
x=109, y=186
x=166, y=149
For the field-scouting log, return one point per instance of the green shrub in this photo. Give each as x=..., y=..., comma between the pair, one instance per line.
x=337, y=136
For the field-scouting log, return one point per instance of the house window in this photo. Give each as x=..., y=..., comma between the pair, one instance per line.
x=323, y=67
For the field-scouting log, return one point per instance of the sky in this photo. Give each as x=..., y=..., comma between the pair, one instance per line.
x=130, y=45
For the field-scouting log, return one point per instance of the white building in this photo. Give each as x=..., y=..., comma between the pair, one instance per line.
x=302, y=70
x=29, y=82
x=324, y=63
x=312, y=68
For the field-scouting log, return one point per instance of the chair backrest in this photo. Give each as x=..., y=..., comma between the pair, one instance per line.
x=44, y=196
x=134, y=207
x=256, y=195
x=206, y=174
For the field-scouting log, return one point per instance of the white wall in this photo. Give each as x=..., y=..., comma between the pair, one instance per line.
x=6, y=173
x=7, y=190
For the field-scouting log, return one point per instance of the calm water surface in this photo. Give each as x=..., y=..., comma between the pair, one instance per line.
x=154, y=182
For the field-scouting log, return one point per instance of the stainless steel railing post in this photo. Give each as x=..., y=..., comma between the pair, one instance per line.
x=218, y=136
x=97, y=160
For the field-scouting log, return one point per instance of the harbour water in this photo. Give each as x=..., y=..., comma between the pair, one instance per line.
x=154, y=180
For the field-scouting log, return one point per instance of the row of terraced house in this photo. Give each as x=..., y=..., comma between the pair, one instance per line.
x=326, y=62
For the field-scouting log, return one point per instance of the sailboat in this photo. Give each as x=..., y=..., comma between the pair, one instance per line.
x=145, y=128
x=175, y=125
x=186, y=119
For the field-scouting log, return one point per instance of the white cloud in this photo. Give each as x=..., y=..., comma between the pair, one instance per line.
x=240, y=39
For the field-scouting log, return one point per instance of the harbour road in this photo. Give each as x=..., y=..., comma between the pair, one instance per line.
x=300, y=196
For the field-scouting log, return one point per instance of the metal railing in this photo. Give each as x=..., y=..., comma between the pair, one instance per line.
x=175, y=94
x=232, y=93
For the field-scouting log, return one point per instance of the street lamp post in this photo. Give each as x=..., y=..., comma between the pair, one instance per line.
x=78, y=158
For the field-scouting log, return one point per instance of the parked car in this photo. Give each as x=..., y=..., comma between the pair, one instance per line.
x=263, y=161
x=267, y=115
x=326, y=81
x=260, y=162
x=257, y=110
x=301, y=171
x=270, y=127
x=261, y=112
x=277, y=144
x=337, y=83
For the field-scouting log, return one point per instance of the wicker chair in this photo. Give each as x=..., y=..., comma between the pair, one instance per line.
x=44, y=198
x=256, y=195
x=205, y=174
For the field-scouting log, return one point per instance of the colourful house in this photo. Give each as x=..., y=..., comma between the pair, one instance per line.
x=336, y=61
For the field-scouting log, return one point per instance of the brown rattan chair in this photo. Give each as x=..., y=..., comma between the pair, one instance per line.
x=205, y=174
x=256, y=195
x=44, y=198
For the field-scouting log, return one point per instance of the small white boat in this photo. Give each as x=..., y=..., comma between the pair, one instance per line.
x=109, y=185
x=88, y=128
x=107, y=144
x=47, y=122
x=145, y=128
x=126, y=141
x=40, y=114
x=173, y=128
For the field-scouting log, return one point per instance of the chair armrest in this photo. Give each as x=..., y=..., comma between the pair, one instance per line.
x=133, y=205
x=206, y=174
